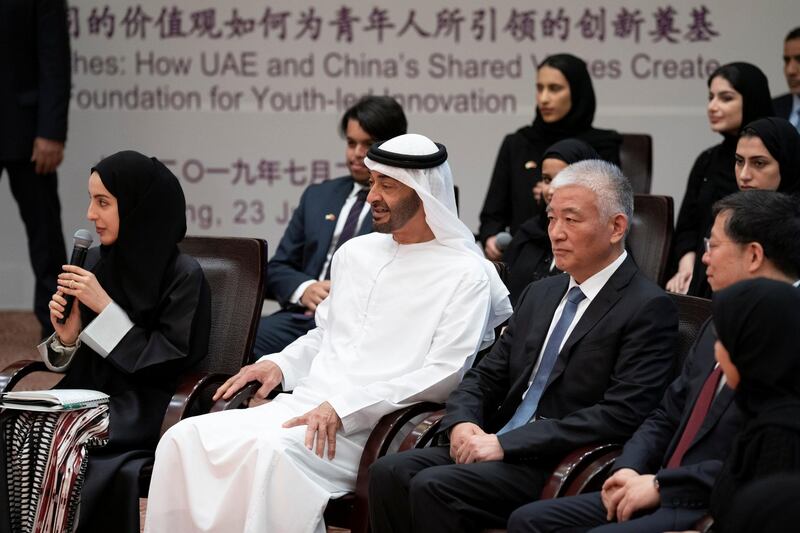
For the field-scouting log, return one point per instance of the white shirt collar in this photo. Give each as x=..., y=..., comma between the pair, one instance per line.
x=357, y=187
x=594, y=284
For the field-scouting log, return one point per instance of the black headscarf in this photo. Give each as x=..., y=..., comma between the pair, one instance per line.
x=577, y=123
x=152, y=220
x=580, y=116
x=758, y=322
x=752, y=84
x=570, y=151
x=783, y=143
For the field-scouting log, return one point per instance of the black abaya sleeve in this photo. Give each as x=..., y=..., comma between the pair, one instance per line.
x=183, y=322
x=496, y=213
x=690, y=224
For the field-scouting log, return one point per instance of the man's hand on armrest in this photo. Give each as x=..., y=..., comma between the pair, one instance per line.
x=265, y=372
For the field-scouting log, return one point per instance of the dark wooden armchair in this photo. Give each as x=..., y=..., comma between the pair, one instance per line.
x=235, y=270
x=636, y=160
x=650, y=236
x=585, y=469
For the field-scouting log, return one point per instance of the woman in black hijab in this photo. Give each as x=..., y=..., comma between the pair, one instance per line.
x=143, y=318
x=738, y=94
x=529, y=256
x=768, y=156
x=758, y=348
x=565, y=106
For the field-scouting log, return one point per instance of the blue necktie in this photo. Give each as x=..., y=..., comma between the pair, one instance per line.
x=795, y=119
x=527, y=408
x=350, y=224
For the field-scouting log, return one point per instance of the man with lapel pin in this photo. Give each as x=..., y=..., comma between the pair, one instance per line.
x=664, y=476
x=584, y=359
x=329, y=213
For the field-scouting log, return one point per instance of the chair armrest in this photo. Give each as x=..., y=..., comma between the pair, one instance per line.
x=245, y=394
x=584, y=463
x=13, y=373
x=187, y=395
x=423, y=433
x=378, y=443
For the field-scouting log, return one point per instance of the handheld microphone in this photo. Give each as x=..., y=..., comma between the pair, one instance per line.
x=502, y=240
x=80, y=245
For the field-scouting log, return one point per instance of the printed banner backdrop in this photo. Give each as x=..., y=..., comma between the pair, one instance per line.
x=241, y=99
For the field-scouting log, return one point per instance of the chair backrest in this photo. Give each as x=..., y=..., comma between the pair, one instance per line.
x=692, y=312
x=636, y=159
x=235, y=268
x=650, y=237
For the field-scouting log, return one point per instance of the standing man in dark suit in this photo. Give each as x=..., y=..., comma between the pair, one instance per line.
x=663, y=478
x=788, y=105
x=34, y=102
x=298, y=275
x=585, y=358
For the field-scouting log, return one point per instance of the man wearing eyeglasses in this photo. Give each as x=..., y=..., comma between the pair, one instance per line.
x=663, y=478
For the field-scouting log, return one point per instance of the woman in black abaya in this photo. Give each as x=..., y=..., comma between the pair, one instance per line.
x=143, y=318
x=565, y=106
x=758, y=349
x=738, y=94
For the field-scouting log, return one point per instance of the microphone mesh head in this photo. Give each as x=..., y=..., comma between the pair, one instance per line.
x=503, y=239
x=82, y=238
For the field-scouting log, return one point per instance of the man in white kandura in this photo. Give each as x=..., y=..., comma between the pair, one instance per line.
x=409, y=307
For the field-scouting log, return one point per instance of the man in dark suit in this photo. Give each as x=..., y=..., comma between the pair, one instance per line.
x=34, y=100
x=585, y=357
x=329, y=213
x=788, y=105
x=663, y=478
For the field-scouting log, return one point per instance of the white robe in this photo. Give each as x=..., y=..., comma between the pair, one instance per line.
x=401, y=325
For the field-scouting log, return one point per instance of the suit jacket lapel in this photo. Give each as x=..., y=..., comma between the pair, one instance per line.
x=602, y=304
x=534, y=340
x=718, y=407
x=332, y=205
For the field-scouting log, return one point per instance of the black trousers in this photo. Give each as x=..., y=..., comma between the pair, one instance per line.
x=279, y=330
x=37, y=199
x=587, y=513
x=425, y=491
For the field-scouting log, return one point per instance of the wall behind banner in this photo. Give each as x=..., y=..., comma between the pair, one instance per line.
x=242, y=98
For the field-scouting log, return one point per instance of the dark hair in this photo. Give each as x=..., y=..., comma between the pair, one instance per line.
x=380, y=116
x=794, y=34
x=769, y=218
